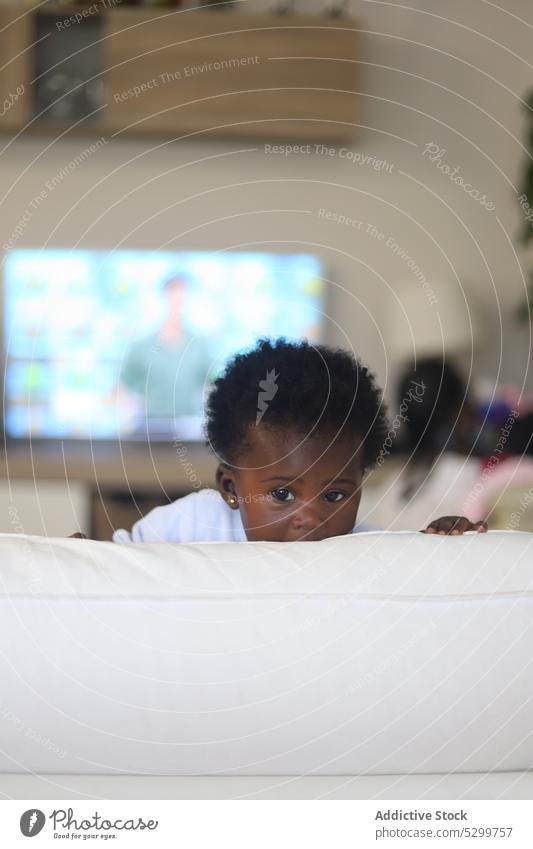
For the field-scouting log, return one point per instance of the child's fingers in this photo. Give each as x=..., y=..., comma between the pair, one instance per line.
x=449, y=525
x=454, y=525
x=433, y=527
x=461, y=525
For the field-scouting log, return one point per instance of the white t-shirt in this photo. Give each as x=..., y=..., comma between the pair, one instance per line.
x=201, y=516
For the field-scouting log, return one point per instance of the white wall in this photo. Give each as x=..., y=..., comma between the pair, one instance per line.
x=451, y=74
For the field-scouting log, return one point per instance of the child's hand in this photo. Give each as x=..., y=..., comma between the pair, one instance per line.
x=454, y=525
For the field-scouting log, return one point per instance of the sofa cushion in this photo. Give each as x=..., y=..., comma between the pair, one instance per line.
x=380, y=653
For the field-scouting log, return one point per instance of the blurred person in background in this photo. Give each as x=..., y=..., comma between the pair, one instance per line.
x=436, y=451
x=166, y=371
x=442, y=420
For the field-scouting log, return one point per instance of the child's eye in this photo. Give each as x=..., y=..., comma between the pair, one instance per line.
x=283, y=494
x=334, y=493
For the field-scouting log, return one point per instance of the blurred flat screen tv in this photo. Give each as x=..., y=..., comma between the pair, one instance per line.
x=125, y=344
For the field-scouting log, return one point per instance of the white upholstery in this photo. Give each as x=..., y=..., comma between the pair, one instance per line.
x=378, y=653
x=496, y=785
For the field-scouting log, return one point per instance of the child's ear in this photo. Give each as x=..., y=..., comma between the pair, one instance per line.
x=225, y=478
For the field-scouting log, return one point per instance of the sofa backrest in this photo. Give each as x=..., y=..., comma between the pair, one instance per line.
x=373, y=653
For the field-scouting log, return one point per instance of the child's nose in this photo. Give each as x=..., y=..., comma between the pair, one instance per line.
x=306, y=517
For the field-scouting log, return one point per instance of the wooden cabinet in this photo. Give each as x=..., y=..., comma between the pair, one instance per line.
x=57, y=489
x=112, y=509
x=15, y=64
x=146, y=70
x=229, y=74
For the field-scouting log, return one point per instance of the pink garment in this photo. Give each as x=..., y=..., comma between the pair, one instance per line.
x=494, y=480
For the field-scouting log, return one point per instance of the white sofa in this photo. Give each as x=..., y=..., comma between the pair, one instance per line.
x=381, y=665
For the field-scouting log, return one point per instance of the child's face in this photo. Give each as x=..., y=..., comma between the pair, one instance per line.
x=291, y=487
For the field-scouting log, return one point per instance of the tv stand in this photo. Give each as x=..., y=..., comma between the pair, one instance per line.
x=120, y=482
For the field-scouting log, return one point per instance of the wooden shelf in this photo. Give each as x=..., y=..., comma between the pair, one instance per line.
x=168, y=71
x=149, y=468
x=60, y=10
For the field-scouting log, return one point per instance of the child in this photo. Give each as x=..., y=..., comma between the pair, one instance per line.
x=295, y=428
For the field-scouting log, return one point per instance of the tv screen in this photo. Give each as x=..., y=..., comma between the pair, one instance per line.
x=124, y=344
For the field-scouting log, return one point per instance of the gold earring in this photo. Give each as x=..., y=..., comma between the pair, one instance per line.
x=232, y=500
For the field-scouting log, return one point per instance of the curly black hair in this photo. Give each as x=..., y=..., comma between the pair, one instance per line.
x=319, y=390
